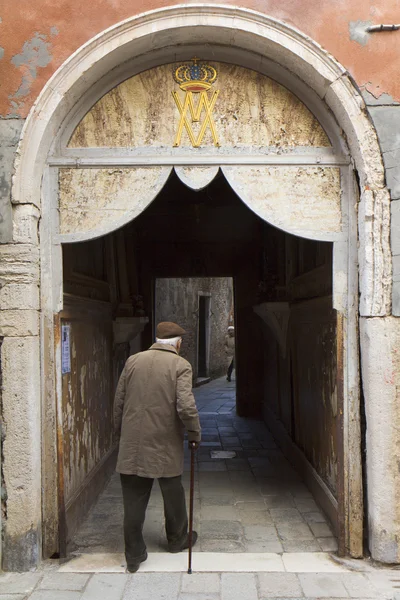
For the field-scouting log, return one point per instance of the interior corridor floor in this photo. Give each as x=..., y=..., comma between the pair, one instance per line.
x=254, y=502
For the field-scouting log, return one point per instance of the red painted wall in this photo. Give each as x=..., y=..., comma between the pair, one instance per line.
x=37, y=36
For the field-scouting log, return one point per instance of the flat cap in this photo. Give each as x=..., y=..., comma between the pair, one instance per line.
x=167, y=329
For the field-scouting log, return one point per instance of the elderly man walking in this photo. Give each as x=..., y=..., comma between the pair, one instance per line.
x=153, y=406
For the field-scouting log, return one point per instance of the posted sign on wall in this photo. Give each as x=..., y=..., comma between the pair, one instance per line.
x=65, y=349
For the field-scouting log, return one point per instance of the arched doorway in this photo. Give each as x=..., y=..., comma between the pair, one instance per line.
x=287, y=370
x=265, y=46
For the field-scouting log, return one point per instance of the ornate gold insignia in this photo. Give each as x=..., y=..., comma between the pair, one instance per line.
x=195, y=78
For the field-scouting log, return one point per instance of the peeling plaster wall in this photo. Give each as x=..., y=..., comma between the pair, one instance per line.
x=95, y=274
x=87, y=397
x=10, y=130
x=35, y=54
x=48, y=34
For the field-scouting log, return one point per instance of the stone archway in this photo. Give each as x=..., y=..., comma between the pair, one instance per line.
x=149, y=37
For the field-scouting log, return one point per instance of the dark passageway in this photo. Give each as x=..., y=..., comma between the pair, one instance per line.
x=253, y=502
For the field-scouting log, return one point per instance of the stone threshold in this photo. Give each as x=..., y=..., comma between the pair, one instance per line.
x=214, y=562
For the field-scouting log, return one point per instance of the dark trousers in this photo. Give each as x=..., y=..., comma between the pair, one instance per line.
x=230, y=368
x=136, y=494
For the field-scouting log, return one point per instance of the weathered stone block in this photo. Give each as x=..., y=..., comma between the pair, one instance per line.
x=19, y=323
x=380, y=363
x=387, y=123
x=10, y=130
x=375, y=258
x=22, y=452
x=396, y=299
x=25, y=224
x=396, y=268
x=395, y=225
x=19, y=295
x=19, y=263
x=396, y=286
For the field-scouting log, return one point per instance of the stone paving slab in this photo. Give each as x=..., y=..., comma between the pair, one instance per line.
x=239, y=586
x=19, y=583
x=275, y=585
x=200, y=583
x=63, y=581
x=155, y=586
x=222, y=546
x=359, y=586
x=197, y=596
x=55, y=595
x=106, y=587
x=322, y=585
x=301, y=546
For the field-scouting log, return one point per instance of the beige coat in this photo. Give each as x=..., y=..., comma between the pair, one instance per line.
x=153, y=406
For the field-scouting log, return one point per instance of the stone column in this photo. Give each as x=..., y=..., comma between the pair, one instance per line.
x=380, y=364
x=20, y=358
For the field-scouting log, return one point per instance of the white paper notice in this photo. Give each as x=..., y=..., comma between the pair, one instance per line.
x=65, y=349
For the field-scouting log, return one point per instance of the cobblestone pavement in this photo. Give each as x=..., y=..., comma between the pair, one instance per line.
x=52, y=585
x=254, y=502
x=253, y=514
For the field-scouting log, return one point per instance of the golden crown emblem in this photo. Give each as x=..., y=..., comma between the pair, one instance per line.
x=195, y=76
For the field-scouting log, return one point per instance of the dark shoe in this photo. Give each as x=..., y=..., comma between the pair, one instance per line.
x=228, y=378
x=185, y=544
x=132, y=568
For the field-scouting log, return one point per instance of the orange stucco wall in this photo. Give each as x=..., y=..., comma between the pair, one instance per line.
x=37, y=36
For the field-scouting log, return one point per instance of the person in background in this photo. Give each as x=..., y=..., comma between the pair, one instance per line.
x=230, y=351
x=153, y=406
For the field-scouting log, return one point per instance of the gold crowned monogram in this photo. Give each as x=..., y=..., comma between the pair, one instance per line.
x=195, y=78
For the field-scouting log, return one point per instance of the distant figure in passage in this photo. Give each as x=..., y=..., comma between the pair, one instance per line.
x=153, y=406
x=230, y=351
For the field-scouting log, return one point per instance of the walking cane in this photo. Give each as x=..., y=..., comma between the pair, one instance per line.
x=192, y=453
